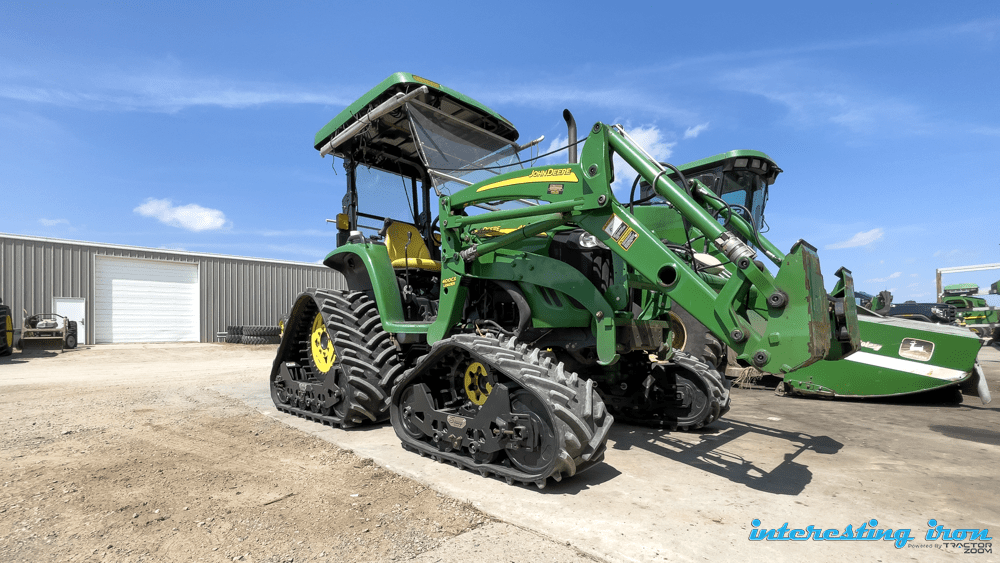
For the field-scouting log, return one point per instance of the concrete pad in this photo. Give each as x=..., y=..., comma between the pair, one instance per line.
x=498, y=542
x=677, y=496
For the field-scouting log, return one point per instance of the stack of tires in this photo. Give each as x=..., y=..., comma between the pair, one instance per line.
x=6, y=331
x=255, y=335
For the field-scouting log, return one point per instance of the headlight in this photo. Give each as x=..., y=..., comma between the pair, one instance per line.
x=588, y=240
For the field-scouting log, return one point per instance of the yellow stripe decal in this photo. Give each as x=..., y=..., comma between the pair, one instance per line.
x=550, y=175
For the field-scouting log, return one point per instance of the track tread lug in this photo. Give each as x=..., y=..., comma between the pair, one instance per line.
x=581, y=438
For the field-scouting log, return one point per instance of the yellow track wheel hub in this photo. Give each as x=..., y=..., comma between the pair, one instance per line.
x=323, y=353
x=477, y=388
x=679, y=332
x=9, y=332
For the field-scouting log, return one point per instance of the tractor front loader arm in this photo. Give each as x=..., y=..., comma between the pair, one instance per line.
x=779, y=323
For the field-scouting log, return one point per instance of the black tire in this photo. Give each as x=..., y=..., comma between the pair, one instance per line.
x=254, y=340
x=697, y=340
x=368, y=352
x=6, y=331
x=234, y=330
x=259, y=330
x=71, y=341
x=352, y=386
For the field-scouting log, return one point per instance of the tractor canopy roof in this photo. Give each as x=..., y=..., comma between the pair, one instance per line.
x=752, y=161
x=961, y=289
x=375, y=130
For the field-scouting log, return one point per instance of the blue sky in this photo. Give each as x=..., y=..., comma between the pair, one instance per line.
x=190, y=125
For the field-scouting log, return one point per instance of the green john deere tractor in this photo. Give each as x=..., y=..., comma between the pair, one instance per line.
x=502, y=324
x=973, y=311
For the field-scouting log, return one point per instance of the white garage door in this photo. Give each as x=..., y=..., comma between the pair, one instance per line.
x=145, y=300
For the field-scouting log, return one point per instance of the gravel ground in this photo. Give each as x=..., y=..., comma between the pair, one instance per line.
x=122, y=454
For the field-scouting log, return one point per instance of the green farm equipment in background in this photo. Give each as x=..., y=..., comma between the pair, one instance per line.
x=514, y=311
x=898, y=356
x=972, y=311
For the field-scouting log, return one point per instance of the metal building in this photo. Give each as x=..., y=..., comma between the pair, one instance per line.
x=133, y=294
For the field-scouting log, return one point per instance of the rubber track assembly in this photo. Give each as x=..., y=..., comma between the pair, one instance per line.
x=500, y=407
x=682, y=394
x=345, y=385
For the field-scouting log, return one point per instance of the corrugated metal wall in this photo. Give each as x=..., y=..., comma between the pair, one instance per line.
x=234, y=290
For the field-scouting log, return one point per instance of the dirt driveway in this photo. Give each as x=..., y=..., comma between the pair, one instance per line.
x=120, y=453
x=174, y=453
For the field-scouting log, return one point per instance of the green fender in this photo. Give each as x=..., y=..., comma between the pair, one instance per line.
x=366, y=267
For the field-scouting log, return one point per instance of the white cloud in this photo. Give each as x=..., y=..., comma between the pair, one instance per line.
x=692, y=132
x=891, y=276
x=158, y=85
x=817, y=97
x=650, y=138
x=914, y=275
x=860, y=239
x=192, y=216
x=558, y=143
x=53, y=222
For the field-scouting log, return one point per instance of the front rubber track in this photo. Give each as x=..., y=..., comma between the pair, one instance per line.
x=572, y=405
x=367, y=361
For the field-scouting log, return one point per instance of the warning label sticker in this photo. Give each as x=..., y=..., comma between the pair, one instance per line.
x=622, y=233
x=615, y=227
x=627, y=240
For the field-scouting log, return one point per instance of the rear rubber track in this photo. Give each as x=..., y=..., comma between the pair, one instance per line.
x=709, y=383
x=356, y=390
x=580, y=420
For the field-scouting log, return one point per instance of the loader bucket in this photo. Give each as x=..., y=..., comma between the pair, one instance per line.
x=896, y=357
x=806, y=323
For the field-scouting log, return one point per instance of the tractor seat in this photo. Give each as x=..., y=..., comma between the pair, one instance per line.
x=416, y=256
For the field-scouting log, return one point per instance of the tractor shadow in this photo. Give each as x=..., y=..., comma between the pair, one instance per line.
x=706, y=450
x=24, y=356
